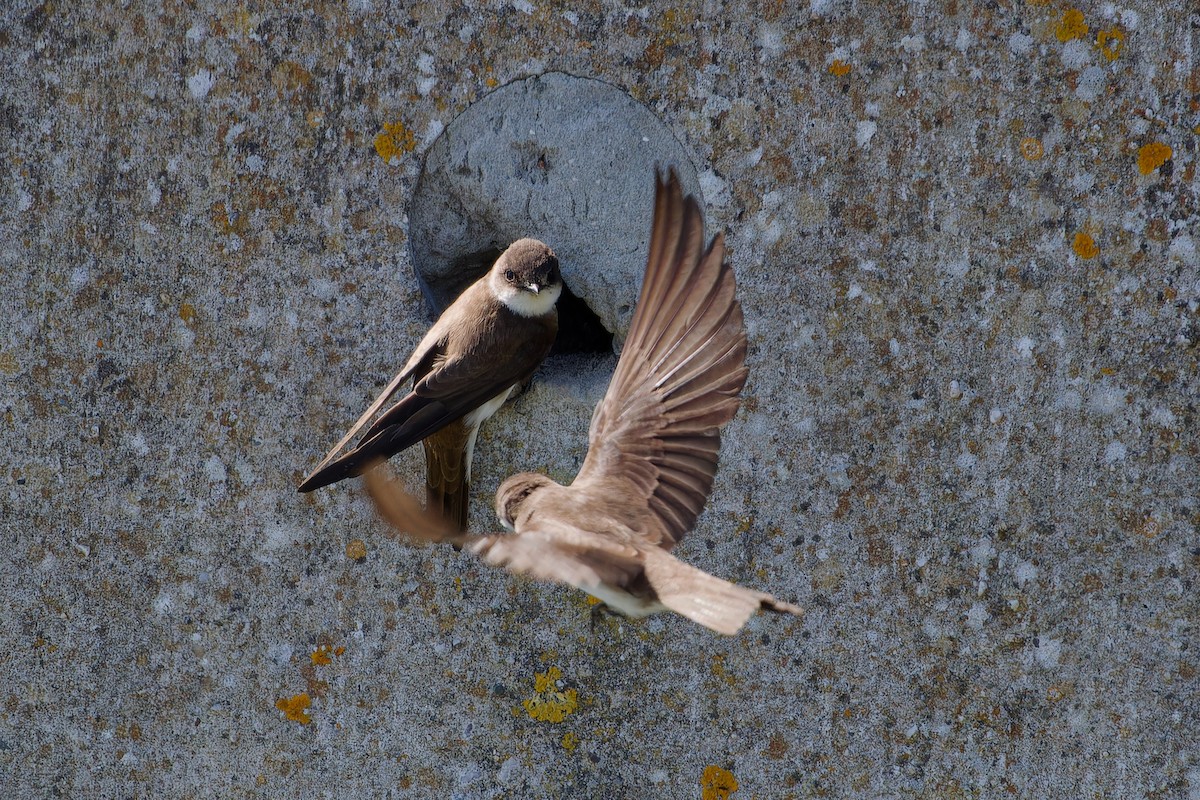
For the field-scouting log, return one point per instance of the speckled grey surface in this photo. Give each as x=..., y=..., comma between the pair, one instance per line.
x=966, y=240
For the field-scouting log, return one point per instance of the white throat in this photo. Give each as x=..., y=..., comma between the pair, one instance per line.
x=527, y=304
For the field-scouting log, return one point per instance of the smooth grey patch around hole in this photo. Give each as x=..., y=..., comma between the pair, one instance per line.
x=563, y=159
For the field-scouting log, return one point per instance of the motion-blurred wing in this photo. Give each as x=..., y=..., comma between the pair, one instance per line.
x=404, y=513
x=559, y=554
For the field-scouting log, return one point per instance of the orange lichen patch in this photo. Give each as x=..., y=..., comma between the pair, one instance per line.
x=549, y=703
x=592, y=601
x=1031, y=148
x=396, y=140
x=187, y=313
x=1085, y=246
x=356, y=549
x=322, y=655
x=839, y=68
x=717, y=783
x=295, y=707
x=8, y=364
x=1072, y=26
x=570, y=741
x=1152, y=156
x=1111, y=42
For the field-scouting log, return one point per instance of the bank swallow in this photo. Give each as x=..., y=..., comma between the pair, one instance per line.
x=482, y=349
x=652, y=449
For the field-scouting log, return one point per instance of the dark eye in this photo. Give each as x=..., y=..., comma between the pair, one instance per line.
x=509, y=274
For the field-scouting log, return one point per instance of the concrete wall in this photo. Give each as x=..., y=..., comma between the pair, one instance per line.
x=966, y=240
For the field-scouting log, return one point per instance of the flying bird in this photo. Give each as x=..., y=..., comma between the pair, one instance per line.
x=652, y=449
x=482, y=349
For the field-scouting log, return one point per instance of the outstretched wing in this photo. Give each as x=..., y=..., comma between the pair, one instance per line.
x=656, y=433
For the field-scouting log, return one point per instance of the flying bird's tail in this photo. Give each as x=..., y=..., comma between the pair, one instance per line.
x=447, y=463
x=714, y=603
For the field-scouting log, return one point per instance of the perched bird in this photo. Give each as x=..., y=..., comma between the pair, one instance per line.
x=482, y=349
x=652, y=449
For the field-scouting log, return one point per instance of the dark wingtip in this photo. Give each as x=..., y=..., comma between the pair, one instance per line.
x=332, y=473
x=310, y=483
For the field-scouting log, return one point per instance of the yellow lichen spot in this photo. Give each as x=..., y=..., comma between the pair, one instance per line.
x=1152, y=156
x=1031, y=149
x=8, y=364
x=396, y=140
x=719, y=671
x=187, y=313
x=545, y=681
x=570, y=741
x=592, y=601
x=839, y=68
x=321, y=656
x=1085, y=246
x=295, y=707
x=549, y=703
x=717, y=783
x=1072, y=26
x=356, y=549
x=1111, y=42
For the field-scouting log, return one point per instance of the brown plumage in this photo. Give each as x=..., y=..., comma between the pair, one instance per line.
x=652, y=449
x=479, y=352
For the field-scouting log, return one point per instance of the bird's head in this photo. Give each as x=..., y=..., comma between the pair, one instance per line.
x=526, y=278
x=514, y=492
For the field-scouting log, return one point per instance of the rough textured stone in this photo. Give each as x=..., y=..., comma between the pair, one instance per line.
x=564, y=157
x=968, y=445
